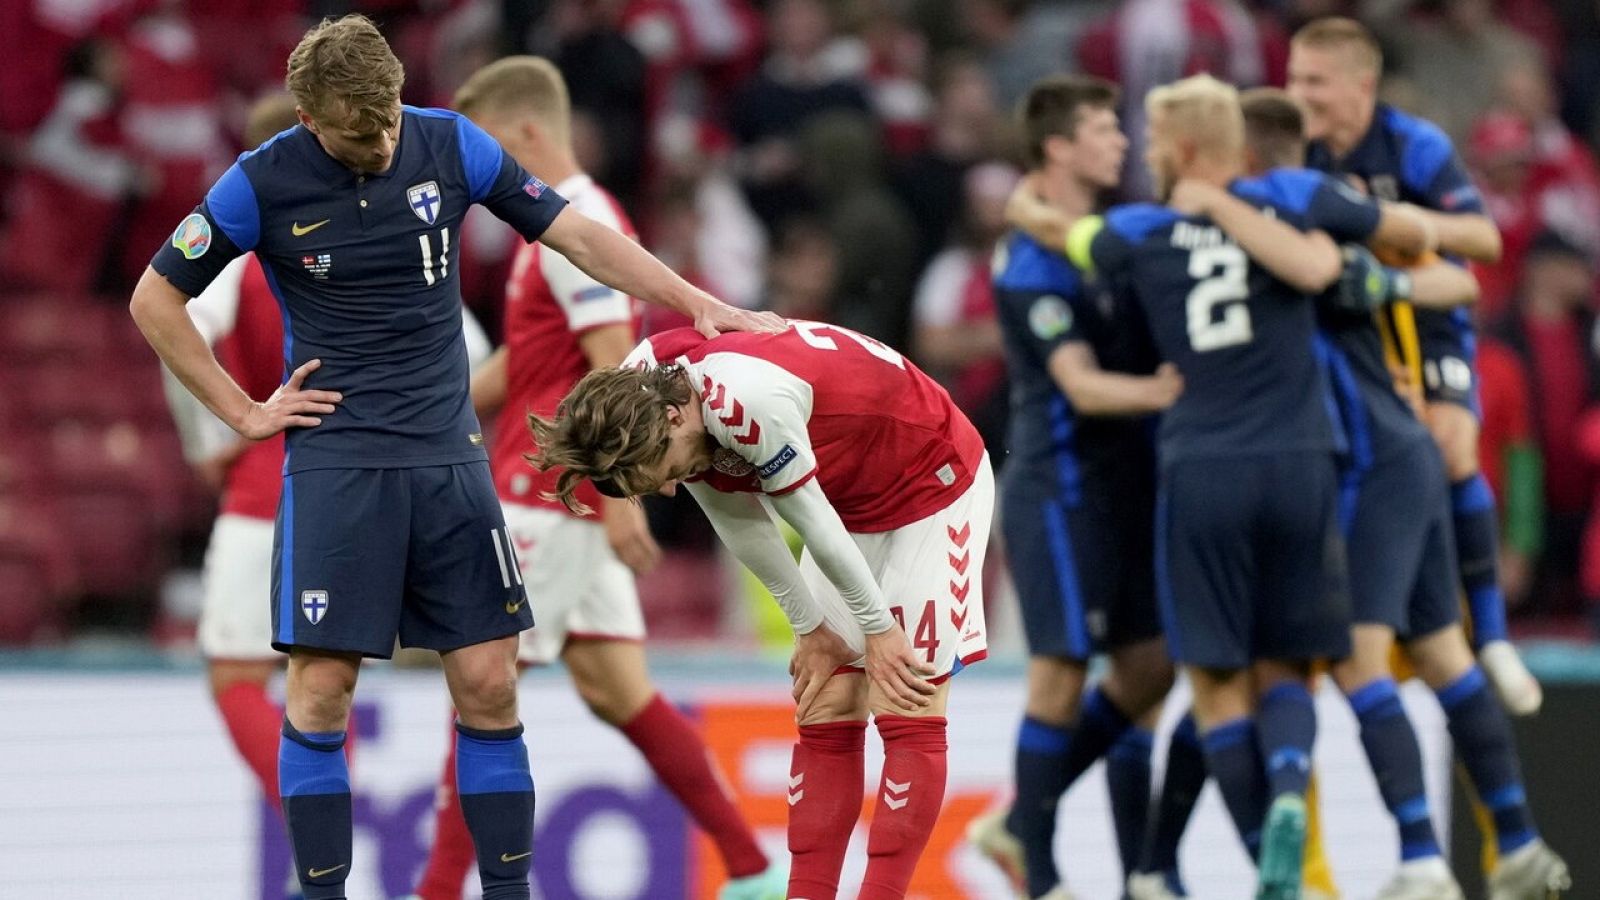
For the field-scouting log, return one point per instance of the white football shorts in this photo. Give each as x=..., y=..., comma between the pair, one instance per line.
x=576, y=584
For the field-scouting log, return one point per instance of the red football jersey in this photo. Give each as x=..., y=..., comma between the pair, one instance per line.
x=549, y=303
x=884, y=440
x=252, y=352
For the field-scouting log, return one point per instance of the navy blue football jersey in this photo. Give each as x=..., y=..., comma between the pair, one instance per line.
x=1404, y=158
x=1044, y=302
x=1243, y=340
x=365, y=269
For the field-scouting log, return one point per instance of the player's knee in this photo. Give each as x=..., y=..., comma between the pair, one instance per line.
x=613, y=702
x=1441, y=657
x=1455, y=431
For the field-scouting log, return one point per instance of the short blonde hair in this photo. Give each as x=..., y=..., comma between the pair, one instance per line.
x=268, y=116
x=518, y=84
x=610, y=426
x=1202, y=109
x=343, y=72
x=1341, y=33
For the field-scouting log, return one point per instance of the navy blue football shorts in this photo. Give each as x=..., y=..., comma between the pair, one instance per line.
x=1402, y=544
x=1250, y=562
x=364, y=556
x=1083, y=566
x=1449, y=358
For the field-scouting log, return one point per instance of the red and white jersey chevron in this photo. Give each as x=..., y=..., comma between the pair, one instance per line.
x=883, y=439
x=549, y=303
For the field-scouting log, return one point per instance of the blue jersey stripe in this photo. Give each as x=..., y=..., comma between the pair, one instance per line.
x=1066, y=569
x=1349, y=410
x=286, y=563
x=1069, y=480
x=232, y=204
x=480, y=158
x=1164, y=597
x=288, y=338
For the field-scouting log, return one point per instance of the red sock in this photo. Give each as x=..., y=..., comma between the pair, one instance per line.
x=679, y=757
x=255, y=723
x=824, y=802
x=452, y=854
x=914, y=761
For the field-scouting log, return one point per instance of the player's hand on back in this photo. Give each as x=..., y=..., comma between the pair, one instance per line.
x=895, y=669
x=716, y=317
x=628, y=533
x=817, y=655
x=290, y=406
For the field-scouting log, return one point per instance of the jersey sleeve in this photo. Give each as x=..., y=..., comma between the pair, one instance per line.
x=760, y=413
x=495, y=180
x=1048, y=319
x=1432, y=169
x=585, y=302
x=1346, y=214
x=226, y=224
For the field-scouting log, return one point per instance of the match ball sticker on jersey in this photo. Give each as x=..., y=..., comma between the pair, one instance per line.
x=1049, y=317
x=314, y=604
x=780, y=459
x=730, y=463
x=424, y=200
x=193, y=237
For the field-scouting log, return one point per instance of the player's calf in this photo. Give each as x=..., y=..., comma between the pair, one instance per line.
x=909, y=797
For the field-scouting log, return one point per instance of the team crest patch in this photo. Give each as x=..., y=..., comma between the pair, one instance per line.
x=730, y=463
x=534, y=188
x=193, y=237
x=424, y=200
x=314, y=604
x=1049, y=317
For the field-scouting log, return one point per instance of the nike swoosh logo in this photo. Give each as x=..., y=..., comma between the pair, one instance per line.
x=301, y=230
x=512, y=609
x=506, y=857
x=318, y=873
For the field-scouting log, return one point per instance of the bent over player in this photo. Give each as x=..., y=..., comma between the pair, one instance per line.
x=388, y=525
x=578, y=572
x=889, y=487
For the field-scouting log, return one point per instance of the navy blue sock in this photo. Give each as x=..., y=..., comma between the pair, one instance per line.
x=1483, y=739
x=496, y=792
x=1235, y=760
x=1041, y=774
x=1180, y=790
x=1099, y=726
x=1128, y=780
x=1286, y=726
x=1396, y=761
x=1477, y=554
x=314, y=782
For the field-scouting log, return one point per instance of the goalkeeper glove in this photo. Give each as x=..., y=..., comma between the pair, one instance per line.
x=1366, y=284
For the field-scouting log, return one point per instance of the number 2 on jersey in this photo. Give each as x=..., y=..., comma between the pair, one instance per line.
x=816, y=335
x=1223, y=272
x=427, y=256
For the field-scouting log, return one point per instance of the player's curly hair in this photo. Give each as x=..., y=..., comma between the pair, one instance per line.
x=344, y=72
x=610, y=425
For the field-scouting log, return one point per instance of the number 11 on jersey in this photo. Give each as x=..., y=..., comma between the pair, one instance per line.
x=427, y=256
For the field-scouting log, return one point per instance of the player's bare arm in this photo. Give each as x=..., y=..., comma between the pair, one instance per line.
x=1308, y=261
x=489, y=384
x=158, y=309
x=1098, y=392
x=1470, y=235
x=618, y=262
x=1442, y=285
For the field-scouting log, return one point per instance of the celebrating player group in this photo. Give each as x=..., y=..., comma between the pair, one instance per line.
x=1240, y=443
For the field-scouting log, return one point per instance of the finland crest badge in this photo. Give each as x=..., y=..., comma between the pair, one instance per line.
x=424, y=200
x=314, y=604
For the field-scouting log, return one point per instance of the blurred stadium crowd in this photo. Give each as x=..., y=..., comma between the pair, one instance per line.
x=845, y=161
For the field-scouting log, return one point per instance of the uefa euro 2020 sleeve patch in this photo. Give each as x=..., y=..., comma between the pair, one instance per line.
x=193, y=237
